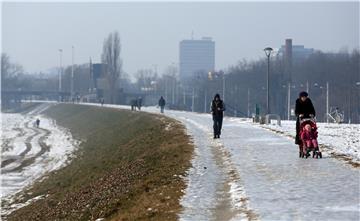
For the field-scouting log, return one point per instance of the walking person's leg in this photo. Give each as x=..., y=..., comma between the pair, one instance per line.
x=220, y=120
x=215, y=126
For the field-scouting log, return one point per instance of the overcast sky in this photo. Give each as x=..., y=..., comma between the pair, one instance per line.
x=150, y=33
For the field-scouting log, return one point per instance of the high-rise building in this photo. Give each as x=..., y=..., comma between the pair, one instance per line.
x=196, y=56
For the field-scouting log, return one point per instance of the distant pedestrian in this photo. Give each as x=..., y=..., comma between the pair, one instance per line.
x=102, y=100
x=37, y=122
x=139, y=103
x=217, y=111
x=133, y=104
x=303, y=109
x=162, y=103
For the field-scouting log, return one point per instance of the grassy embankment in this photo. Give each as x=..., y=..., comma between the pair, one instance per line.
x=126, y=168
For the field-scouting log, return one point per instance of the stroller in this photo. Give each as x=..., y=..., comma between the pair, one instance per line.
x=308, y=134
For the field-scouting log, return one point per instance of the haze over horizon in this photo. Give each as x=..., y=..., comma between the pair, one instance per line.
x=150, y=33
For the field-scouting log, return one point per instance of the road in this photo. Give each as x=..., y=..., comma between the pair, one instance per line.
x=255, y=174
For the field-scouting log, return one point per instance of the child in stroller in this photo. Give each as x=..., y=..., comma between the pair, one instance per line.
x=308, y=135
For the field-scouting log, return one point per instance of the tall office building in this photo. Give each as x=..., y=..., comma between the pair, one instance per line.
x=196, y=56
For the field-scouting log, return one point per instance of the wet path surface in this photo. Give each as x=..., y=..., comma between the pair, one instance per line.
x=214, y=191
x=282, y=186
x=272, y=182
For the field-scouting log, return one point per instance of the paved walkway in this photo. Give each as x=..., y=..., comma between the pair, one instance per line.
x=253, y=173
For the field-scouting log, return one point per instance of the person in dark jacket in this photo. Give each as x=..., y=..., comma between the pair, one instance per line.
x=303, y=109
x=37, y=122
x=162, y=104
x=217, y=111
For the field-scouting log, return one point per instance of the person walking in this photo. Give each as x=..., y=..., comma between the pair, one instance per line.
x=304, y=108
x=217, y=111
x=37, y=122
x=162, y=104
x=133, y=104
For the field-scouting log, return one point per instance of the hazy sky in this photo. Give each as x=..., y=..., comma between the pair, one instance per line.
x=150, y=33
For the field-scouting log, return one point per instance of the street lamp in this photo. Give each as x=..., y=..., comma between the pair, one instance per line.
x=327, y=99
x=268, y=51
x=60, y=73
x=72, y=74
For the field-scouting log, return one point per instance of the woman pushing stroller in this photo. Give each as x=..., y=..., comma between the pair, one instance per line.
x=306, y=131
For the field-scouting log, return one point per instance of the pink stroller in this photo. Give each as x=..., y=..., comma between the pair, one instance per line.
x=308, y=135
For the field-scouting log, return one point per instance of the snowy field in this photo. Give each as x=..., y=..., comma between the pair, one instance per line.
x=343, y=139
x=28, y=152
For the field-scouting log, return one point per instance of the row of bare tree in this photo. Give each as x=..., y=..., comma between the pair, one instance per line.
x=243, y=85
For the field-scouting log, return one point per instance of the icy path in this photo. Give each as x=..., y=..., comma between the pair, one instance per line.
x=214, y=190
x=28, y=152
x=252, y=163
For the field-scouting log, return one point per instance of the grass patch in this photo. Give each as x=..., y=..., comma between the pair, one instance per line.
x=126, y=168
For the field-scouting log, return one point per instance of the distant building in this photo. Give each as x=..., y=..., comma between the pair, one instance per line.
x=196, y=56
x=97, y=72
x=297, y=52
x=292, y=54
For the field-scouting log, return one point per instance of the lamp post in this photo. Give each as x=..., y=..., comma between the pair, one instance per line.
x=60, y=73
x=327, y=99
x=268, y=51
x=72, y=74
x=223, y=87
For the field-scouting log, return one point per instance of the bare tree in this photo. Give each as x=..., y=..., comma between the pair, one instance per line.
x=9, y=72
x=111, y=58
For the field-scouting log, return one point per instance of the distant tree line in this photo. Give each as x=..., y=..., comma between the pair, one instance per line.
x=340, y=70
x=244, y=83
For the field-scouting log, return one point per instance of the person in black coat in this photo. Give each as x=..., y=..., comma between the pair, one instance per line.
x=217, y=110
x=162, y=104
x=303, y=109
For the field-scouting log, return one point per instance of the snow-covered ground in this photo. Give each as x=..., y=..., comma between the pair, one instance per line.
x=28, y=152
x=341, y=139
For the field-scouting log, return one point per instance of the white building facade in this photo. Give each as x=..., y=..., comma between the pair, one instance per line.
x=196, y=56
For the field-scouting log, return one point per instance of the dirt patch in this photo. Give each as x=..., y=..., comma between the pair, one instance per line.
x=224, y=210
x=128, y=167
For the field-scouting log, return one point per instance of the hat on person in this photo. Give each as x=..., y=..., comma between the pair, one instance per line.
x=303, y=94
